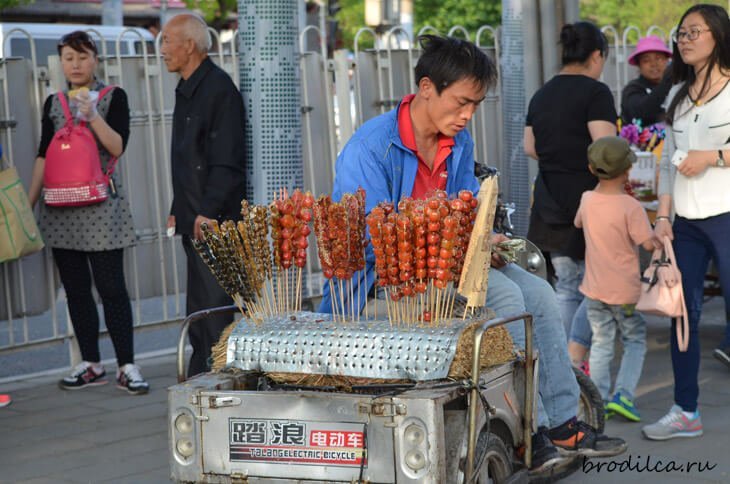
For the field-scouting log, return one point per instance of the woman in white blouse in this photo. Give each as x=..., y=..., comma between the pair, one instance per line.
x=694, y=181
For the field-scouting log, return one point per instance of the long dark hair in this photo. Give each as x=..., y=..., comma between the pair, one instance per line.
x=717, y=20
x=580, y=40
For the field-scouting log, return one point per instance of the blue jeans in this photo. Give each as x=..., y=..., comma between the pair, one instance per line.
x=580, y=330
x=604, y=319
x=513, y=290
x=569, y=273
x=695, y=242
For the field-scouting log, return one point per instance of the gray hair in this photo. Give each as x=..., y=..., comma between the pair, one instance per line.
x=195, y=29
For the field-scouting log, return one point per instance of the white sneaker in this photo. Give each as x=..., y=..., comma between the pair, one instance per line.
x=84, y=375
x=130, y=379
x=674, y=424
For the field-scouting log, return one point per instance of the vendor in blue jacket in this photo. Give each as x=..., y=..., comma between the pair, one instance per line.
x=423, y=145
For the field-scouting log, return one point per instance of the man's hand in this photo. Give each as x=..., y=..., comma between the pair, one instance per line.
x=197, y=233
x=494, y=239
x=170, y=225
x=695, y=164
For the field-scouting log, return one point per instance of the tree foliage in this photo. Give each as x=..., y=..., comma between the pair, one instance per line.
x=351, y=18
x=642, y=14
x=12, y=3
x=215, y=12
x=439, y=14
x=444, y=14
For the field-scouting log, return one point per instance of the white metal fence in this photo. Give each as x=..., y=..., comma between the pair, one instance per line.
x=338, y=95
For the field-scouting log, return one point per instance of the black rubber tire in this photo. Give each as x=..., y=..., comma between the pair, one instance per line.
x=558, y=474
x=590, y=405
x=496, y=464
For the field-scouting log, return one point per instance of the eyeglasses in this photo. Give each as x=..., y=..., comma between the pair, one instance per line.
x=690, y=35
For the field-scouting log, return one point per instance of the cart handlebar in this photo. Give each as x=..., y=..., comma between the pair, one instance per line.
x=474, y=397
x=197, y=316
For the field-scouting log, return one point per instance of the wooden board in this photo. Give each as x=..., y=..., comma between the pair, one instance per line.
x=475, y=275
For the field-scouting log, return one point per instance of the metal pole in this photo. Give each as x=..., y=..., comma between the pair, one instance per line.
x=163, y=12
x=112, y=12
x=406, y=17
x=522, y=76
x=269, y=82
x=549, y=27
x=571, y=10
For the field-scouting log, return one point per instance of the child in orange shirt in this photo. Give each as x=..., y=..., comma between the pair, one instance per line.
x=614, y=225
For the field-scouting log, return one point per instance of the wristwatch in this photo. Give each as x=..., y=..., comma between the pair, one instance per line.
x=720, y=159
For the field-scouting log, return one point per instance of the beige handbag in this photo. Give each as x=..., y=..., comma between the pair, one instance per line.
x=19, y=234
x=662, y=293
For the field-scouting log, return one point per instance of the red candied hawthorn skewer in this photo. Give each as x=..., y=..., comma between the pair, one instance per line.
x=338, y=233
x=404, y=237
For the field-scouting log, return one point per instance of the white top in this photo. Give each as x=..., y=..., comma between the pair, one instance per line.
x=704, y=127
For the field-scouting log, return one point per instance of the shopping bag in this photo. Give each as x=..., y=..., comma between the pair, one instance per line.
x=19, y=234
x=662, y=293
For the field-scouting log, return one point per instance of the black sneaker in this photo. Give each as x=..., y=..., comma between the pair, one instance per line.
x=723, y=354
x=130, y=379
x=82, y=376
x=575, y=437
x=544, y=454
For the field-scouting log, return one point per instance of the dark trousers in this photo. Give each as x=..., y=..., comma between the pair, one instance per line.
x=107, y=266
x=695, y=243
x=203, y=292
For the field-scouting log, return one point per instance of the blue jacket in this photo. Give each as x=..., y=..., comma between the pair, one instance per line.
x=376, y=159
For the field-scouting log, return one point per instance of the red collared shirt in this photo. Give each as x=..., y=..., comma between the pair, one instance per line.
x=427, y=179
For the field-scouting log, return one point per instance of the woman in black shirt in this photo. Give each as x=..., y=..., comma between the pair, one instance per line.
x=564, y=117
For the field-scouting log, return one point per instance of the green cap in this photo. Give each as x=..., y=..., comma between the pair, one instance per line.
x=610, y=156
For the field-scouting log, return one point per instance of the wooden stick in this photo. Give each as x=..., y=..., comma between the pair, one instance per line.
x=375, y=308
x=365, y=281
x=342, y=300
x=279, y=291
x=453, y=299
x=444, y=296
x=420, y=309
x=352, y=301
x=387, y=305
x=269, y=287
x=333, y=300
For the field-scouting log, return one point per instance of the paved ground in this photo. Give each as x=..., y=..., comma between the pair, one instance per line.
x=104, y=435
x=655, y=397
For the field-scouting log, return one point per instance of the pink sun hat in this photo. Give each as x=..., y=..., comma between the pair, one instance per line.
x=650, y=43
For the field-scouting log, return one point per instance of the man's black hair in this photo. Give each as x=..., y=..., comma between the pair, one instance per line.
x=446, y=60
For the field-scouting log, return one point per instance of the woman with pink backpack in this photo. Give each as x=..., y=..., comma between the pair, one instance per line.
x=84, y=215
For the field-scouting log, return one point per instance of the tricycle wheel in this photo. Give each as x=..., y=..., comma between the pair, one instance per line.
x=590, y=403
x=494, y=464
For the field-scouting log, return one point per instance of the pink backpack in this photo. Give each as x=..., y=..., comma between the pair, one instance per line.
x=72, y=176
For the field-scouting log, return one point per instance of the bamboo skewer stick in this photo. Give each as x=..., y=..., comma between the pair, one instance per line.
x=352, y=301
x=387, y=306
x=333, y=300
x=342, y=301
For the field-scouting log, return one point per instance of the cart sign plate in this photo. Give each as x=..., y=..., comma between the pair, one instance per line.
x=297, y=442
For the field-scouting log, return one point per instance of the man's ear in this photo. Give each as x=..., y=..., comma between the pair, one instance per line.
x=190, y=47
x=590, y=168
x=426, y=89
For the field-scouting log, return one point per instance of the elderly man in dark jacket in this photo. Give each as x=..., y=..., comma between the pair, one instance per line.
x=208, y=165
